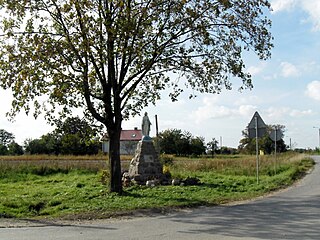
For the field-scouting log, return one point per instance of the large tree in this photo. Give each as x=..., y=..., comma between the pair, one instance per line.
x=112, y=57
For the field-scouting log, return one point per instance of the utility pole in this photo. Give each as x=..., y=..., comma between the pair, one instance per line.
x=319, y=135
x=157, y=134
x=157, y=129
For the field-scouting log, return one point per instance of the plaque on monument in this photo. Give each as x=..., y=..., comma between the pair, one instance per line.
x=148, y=158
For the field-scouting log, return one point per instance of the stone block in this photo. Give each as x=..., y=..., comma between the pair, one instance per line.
x=146, y=164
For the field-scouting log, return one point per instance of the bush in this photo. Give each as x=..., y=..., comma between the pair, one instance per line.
x=166, y=160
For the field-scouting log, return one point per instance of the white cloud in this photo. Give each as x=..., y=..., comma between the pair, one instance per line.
x=209, y=112
x=255, y=70
x=247, y=100
x=276, y=113
x=313, y=90
x=283, y=5
x=289, y=70
x=311, y=7
x=246, y=110
x=212, y=110
x=299, y=113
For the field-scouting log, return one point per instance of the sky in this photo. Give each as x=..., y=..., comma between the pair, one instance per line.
x=286, y=90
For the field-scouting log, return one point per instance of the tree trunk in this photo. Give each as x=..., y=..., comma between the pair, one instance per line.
x=114, y=159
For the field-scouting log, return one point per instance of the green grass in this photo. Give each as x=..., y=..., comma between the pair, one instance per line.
x=31, y=191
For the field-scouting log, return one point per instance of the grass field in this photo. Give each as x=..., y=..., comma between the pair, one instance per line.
x=45, y=186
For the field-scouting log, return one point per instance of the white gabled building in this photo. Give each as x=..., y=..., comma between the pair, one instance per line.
x=128, y=141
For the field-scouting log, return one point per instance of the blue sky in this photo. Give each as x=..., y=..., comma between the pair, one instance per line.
x=286, y=90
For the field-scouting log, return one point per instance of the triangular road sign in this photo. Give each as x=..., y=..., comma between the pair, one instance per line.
x=257, y=122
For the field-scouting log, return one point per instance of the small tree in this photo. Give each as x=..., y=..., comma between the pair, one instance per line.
x=15, y=149
x=198, y=146
x=169, y=139
x=46, y=144
x=7, y=144
x=73, y=136
x=175, y=141
x=77, y=137
x=266, y=144
x=212, y=146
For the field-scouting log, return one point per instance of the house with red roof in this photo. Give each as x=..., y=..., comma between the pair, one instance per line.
x=128, y=141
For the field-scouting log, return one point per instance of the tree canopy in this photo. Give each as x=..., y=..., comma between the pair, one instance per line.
x=248, y=145
x=74, y=136
x=175, y=141
x=7, y=144
x=103, y=53
x=6, y=137
x=112, y=57
x=212, y=146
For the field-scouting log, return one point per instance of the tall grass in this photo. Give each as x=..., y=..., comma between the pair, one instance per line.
x=51, y=187
x=238, y=165
x=56, y=163
x=27, y=157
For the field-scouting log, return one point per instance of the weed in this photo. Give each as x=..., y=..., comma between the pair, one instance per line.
x=166, y=160
x=54, y=203
x=36, y=207
x=104, y=176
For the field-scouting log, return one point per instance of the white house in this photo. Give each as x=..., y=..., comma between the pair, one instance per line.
x=128, y=141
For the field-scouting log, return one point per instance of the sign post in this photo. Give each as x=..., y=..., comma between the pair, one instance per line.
x=276, y=135
x=257, y=150
x=257, y=129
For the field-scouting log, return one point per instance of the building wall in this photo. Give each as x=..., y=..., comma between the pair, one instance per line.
x=126, y=147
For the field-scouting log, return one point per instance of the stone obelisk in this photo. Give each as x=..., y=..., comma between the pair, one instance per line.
x=145, y=165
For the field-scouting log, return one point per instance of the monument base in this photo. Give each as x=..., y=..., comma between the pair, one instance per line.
x=145, y=165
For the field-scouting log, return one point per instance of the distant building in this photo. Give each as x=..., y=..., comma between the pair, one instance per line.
x=128, y=141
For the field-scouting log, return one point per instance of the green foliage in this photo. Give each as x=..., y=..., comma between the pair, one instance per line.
x=166, y=160
x=74, y=136
x=174, y=141
x=197, y=146
x=112, y=58
x=47, y=144
x=138, y=41
x=212, y=146
x=7, y=144
x=266, y=144
x=15, y=149
x=3, y=150
x=5, y=137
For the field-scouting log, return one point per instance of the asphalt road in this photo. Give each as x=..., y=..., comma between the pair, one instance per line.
x=290, y=214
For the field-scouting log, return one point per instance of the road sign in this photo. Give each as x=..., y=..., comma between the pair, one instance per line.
x=276, y=134
x=257, y=126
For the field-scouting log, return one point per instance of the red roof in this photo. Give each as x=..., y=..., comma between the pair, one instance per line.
x=131, y=135
x=126, y=135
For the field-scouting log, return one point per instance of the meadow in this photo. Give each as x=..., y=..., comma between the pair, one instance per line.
x=77, y=187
